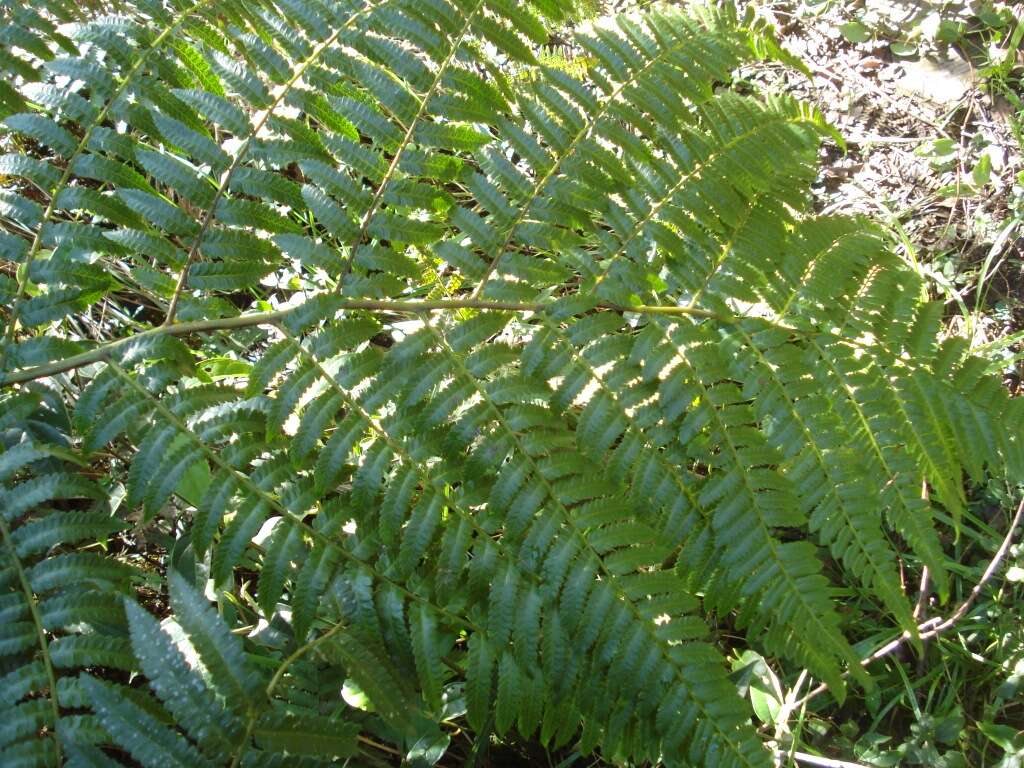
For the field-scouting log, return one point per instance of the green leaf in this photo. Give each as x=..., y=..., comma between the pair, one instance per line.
x=148, y=740
x=306, y=734
x=903, y=49
x=479, y=673
x=855, y=32
x=220, y=651
x=194, y=483
x=982, y=171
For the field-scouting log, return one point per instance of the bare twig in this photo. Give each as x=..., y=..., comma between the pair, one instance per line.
x=922, y=592
x=821, y=762
x=937, y=625
x=377, y=745
x=789, y=703
x=993, y=566
x=875, y=139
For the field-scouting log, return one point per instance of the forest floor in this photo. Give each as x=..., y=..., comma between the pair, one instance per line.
x=927, y=96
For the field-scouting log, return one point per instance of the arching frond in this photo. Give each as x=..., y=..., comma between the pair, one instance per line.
x=491, y=392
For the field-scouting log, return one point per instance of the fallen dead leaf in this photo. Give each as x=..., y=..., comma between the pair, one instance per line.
x=943, y=81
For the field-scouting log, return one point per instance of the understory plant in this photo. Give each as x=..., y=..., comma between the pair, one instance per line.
x=367, y=382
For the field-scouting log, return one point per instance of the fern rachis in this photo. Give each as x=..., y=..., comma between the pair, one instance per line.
x=497, y=394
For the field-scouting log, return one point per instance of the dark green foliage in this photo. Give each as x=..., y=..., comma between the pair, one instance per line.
x=486, y=391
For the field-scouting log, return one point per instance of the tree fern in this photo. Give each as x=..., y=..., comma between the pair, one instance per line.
x=487, y=390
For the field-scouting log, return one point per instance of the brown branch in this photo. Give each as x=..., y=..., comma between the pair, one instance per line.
x=937, y=625
x=104, y=351
x=923, y=590
x=820, y=762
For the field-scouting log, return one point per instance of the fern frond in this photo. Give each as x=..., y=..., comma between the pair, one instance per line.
x=60, y=607
x=442, y=375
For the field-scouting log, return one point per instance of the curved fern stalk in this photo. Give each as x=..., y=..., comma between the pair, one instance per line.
x=276, y=679
x=298, y=653
x=106, y=350
x=406, y=459
x=788, y=583
x=397, y=450
x=742, y=750
x=673, y=200
x=836, y=257
x=55, y=592
x=643, y=461
x=847, y=516
x=257, y=122
x=826, y=254
x=932, y=439
x=83, y=143
x=666, y=200
x=762, y=230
